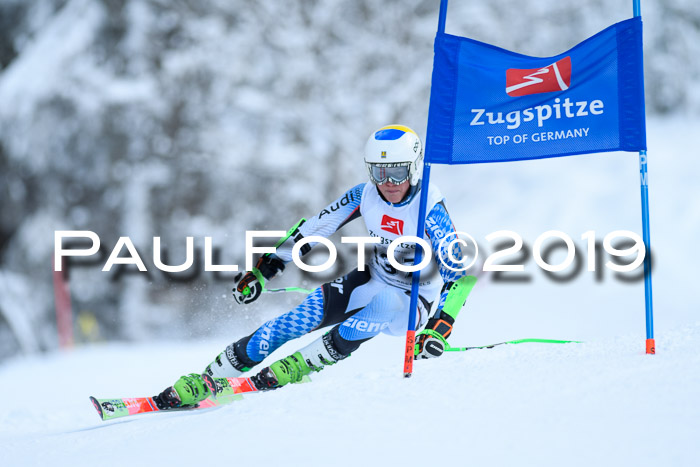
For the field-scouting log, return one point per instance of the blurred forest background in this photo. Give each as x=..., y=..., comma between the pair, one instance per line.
x=178, y=118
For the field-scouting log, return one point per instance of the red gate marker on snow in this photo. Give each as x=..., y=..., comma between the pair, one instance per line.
x=64, y=312
x=651, y=347
x=408, y=358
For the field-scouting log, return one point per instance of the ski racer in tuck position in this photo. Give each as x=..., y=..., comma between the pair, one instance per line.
x=360, y=304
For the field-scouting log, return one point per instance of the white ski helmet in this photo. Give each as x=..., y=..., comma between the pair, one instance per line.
x=394, y=153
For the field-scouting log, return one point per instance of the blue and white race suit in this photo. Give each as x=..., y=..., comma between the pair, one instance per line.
x=365, y=303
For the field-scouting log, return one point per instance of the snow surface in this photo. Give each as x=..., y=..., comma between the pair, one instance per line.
x=603, y=402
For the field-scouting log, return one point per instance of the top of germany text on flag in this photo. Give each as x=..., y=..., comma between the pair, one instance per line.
x=491, y=105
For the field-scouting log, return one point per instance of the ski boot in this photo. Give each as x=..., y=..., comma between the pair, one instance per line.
x=287, y=370
x=187, y=391
x=292, y=369
x=231, y=363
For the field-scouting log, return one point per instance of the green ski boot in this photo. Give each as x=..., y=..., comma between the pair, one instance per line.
x=186, y=392
x=191, y=389
x=287, y=370
x=292, y=369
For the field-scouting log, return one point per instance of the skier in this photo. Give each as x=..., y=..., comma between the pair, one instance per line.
x=362, y=303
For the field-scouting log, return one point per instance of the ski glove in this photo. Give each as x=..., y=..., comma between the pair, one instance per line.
x=431, y=342
x=250, y=285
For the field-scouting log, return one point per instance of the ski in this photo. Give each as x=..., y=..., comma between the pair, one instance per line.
x=109, y=409
x=221, y=388
x=224, y=391
x=224, y=388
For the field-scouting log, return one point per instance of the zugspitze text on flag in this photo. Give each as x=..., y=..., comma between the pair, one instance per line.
x=491, y=105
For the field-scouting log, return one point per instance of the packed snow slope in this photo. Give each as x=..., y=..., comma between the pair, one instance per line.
x=602, y=402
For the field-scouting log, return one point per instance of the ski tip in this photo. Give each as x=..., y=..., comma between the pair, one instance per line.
x=97, y=406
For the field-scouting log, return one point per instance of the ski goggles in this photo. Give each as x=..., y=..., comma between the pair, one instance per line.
x=396, y=173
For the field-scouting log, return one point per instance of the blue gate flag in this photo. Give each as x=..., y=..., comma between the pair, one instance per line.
x=488, y=104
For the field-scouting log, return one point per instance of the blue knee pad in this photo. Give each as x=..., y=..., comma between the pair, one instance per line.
x=380, y=315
